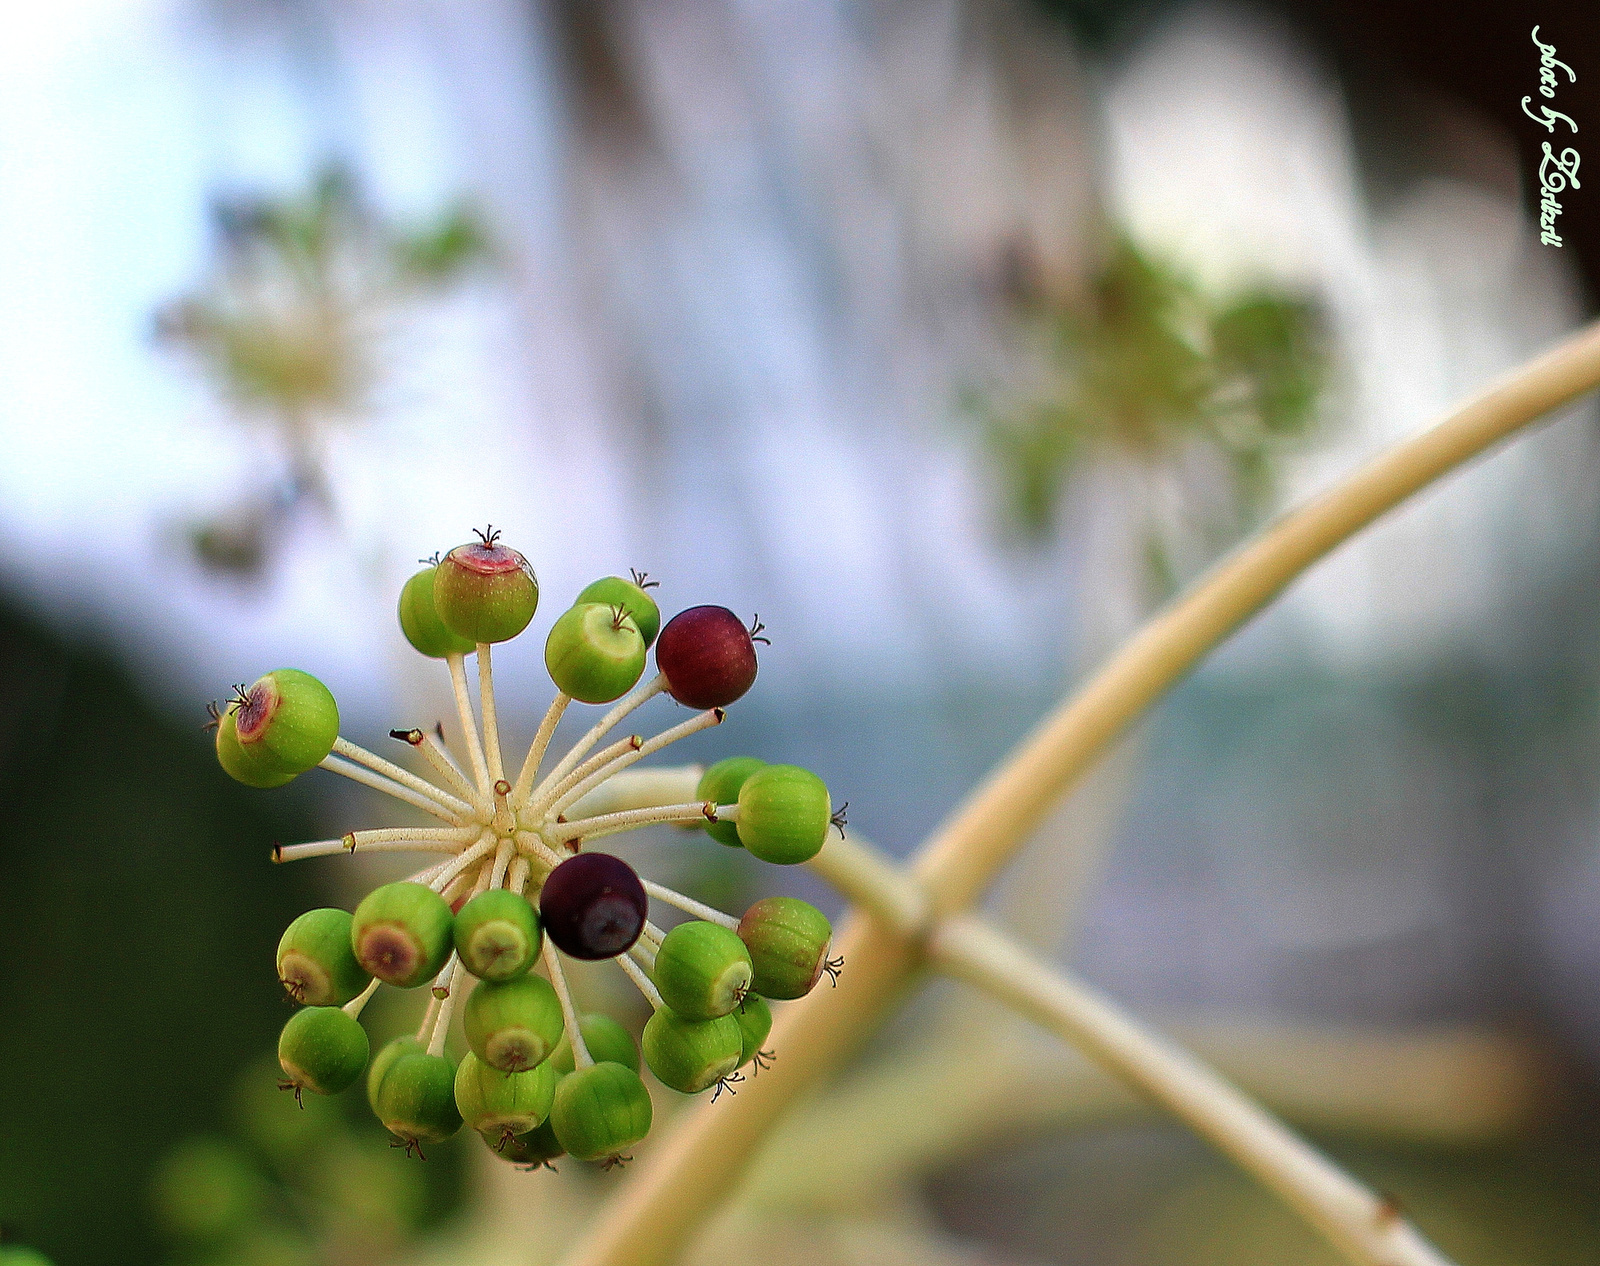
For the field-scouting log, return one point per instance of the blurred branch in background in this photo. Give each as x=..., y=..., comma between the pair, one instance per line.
x=291, y=329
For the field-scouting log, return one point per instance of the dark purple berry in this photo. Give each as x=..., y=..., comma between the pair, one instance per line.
x=708, y=656
x=593, y=906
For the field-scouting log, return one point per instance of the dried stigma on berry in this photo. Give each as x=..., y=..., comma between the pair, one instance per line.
x=784, y=814
x=606, y=1041
x=788, y=943
x=420, y=622
x=707, y=656
x=691, y=1055
x=702, y=970
x=277, y=728
x=401, y=933
x=315, y=961
x=497, y=1104
x=485, y=592
x=755, y=1023
x=593, y=906
x=630, y=595
x=533, y=1148
x=322, y=1049
x=720, y=785
x=600, y=1110
x=497, y=935
x=595, y=652
x=416, y=1099
x=513, y=1025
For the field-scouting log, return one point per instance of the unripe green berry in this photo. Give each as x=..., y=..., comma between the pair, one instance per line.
x=254, y=768
x=784, y=813
x=315, y=961
x=614, y=591
x=720, y=785
x=533, y=1148
x=600, y=1110
x=691, y=1055
x=702, y=970
x=496, y=1103
x=385, y=1059
x=420, y=622
x=401, y=933
x=606, y=1041
x=485, y=592
x=417, y=1099
x=755, y=1023
x=513, y=1025
x=788, y=943
x=285, y=722
x=497, y=935
x=595, y=653
x=323, y=1049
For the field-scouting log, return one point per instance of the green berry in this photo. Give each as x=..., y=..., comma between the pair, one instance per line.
x=720, y=785
x=315, y=961
x=631, y=596
x=600, y=1110
x=533, y=1148
x=384, y=1060
x=497, y=935
x=788, y=943
x=485, y=592
x=755, y=1023
x=513, y=1025
x=595, y=653
x=323, y=1049
x=784, y=813
x=606, y=1041
x=401, y=933
x=417, y=1099
x=254, y=768
x=496, y=1103
x=420, y=622
x=691, y=1055
x=702, y=970
x=283, y=723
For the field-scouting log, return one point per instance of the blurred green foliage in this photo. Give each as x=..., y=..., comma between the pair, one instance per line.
x=139, y=917
x=1148, y=367
x=293, y=327
x=286, y=318
x=305, y=1184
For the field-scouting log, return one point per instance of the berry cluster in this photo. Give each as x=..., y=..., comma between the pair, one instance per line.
x=516, y=890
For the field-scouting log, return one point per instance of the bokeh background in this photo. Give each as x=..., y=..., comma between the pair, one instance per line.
x=952, y=337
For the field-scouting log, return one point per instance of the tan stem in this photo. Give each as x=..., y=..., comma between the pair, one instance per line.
x=687, y=1174
x=1364, y=1227
x=993, y=822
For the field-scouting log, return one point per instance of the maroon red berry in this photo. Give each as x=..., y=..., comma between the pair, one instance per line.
x=708, y=656
x=593, y=906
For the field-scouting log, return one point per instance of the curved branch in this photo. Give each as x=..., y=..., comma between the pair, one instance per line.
x=686, y=1175
x=1363, y=1226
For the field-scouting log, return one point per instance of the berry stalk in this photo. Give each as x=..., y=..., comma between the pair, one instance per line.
x=636, y=974
x=379, y=782
x=569, y=1016
x=352, y=752
x=469, y=724
x=689, y=905
x=540, y=745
